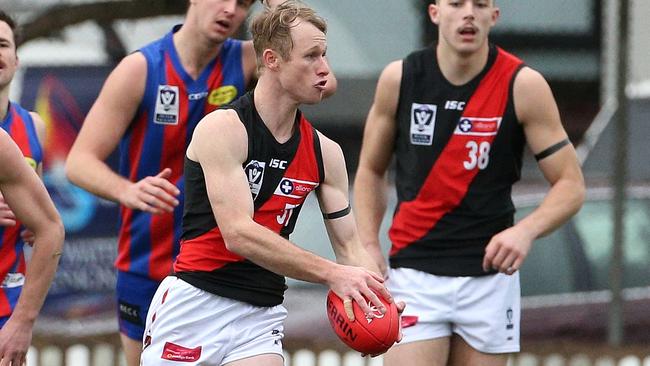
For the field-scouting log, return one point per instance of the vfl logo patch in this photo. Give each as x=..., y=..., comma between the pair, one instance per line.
x=474, y=126
x=294, y=188
x=174, y=352
x=255, y=174
x=167, y=105
x=423, y=122
x=222, y=95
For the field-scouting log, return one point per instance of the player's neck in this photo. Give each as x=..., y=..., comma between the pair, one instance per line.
x=194, y=50
x=275, y=107
x=4, y=103
x=459, y=68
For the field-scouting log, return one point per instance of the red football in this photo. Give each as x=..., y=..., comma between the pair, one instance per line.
x=370, y=334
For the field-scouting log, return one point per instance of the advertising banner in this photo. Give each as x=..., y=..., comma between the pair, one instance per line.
x=81, y=299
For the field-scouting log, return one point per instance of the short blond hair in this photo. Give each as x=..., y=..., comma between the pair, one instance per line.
x=272, y=28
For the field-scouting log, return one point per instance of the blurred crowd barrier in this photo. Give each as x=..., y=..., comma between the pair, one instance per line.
x=105, y=351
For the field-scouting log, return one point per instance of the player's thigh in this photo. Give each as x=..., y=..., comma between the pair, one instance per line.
x=266, y=359
x=132, y=350
x=487, y=314
x=462, y=354
x=432, y=352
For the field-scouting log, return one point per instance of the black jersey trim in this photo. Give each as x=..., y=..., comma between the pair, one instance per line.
x=337, y=214
x=319, y=156
x=552, y=149
x=241, y=281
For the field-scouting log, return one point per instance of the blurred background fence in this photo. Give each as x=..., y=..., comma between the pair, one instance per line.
x=105, y=352
x=71, y=46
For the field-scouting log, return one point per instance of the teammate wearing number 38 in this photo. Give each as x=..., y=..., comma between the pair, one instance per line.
x=457, y=117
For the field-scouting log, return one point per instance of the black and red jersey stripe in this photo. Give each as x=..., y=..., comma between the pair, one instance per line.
x=454, y=179
x=281, y=175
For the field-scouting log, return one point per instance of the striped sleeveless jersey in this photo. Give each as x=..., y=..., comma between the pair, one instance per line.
x=172, y=105
x=20, y=126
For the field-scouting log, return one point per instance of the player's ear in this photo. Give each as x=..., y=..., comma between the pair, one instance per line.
x=433, y=13
x=271, y=59
x=495, y=15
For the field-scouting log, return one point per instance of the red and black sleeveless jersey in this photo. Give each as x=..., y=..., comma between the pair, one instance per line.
x=280, y=177
x=458, y=152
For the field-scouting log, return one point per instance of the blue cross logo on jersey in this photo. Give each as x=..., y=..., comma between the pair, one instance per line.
x=465, y=125
x=286, y=186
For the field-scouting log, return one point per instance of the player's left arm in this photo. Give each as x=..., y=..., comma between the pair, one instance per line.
x=29, y=200
x=340, y=224
x=334, y=201
x=538, y=113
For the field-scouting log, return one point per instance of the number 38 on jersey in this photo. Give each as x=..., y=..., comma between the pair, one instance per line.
x=480, y=133
x=478, y=154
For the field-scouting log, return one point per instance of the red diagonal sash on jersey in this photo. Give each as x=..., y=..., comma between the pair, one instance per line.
x=300, y=178
x=208, y=251
x=461, y=159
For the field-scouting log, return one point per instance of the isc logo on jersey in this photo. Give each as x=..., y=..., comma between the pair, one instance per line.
x=475, y=126
x=255, y=174
x=294, y=188
x=167, y=105
x=423, y=122
x=278, y=164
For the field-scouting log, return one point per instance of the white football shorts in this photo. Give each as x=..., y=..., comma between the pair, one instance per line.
x=189, y=326
x=484, y=311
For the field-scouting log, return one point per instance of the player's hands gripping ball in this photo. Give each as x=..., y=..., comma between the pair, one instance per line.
x=370, y=334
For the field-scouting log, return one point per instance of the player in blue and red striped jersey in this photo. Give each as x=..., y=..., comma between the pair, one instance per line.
x=150, y=105
x=23, y=200
x=456, y=116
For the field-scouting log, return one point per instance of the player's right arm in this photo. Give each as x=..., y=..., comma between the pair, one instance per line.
x=28, y=199
x=219, y=145
x=102, y=130
x=376, y=152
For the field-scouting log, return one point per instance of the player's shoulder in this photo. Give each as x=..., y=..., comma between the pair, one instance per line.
x=39, y=125
x=219, y=131
x=9, y=154
x=529, y=80
x=392, y=73
x=128, y=77
x=220, y=121
x=5, y=139
x=133, y=61
x=130, y=69
x=36, y=118
x=249, y=60
x=329, y=148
